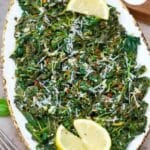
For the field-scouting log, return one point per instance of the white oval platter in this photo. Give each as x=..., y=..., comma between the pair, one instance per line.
x=143, y=58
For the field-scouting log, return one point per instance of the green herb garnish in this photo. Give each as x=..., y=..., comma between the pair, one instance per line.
x=4, y=111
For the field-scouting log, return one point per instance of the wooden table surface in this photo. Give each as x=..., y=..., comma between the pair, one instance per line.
x=5, y=123
x=141, y=10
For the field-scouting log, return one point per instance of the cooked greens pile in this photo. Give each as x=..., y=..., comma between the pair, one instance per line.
x=75, y=66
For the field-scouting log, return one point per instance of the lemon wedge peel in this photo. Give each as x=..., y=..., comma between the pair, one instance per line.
x=92, y=136
x=65, y=140
x=97, y=8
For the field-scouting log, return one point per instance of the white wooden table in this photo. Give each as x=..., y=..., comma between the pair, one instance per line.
x=6, y=124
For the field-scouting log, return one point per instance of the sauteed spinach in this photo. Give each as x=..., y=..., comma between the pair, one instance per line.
x=75, y=66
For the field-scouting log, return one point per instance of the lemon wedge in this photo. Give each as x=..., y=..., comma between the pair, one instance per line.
x=94, y=136
x=96, y=8
x=65, y=140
